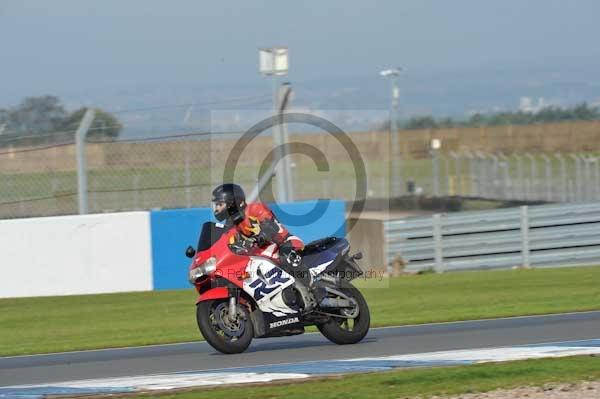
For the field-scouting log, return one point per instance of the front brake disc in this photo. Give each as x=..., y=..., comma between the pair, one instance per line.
x=230, y=328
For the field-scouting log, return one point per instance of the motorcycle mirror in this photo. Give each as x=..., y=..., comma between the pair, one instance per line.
x=190, y=252
x=357, y=256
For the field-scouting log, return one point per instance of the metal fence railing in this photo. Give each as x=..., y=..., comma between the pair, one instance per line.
x=534, y=236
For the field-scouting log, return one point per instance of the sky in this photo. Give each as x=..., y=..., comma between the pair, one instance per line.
x=68, y=45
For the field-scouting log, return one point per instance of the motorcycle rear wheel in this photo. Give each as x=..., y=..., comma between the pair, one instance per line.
x=222, y=334
x=344, y=331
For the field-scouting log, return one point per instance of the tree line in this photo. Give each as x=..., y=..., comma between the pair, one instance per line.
x=45, y=119
x=579, y=112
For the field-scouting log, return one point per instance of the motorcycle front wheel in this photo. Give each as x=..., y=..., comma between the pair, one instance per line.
x=225, y=334
x=352, y=325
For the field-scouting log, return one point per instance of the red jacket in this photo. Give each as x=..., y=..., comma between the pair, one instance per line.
x=260, y=224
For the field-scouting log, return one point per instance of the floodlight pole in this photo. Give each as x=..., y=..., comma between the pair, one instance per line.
x=282, y=169
x=80, y=136
x=278, y=142
x=435, y=147
x=396, y=165
x=285, y=94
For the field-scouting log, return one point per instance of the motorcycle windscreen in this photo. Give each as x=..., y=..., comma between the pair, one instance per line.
x=210, y=233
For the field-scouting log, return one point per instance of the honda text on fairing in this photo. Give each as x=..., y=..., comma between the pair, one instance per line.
x=249, y=296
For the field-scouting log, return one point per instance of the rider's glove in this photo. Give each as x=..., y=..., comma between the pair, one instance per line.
x=268, y=230
x=242, y=245
x=261, y=239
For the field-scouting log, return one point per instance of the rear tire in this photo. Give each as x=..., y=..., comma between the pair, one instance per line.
x=211, y=315
x=336, y=329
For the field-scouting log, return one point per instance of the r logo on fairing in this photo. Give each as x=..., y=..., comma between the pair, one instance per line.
x=274, y=279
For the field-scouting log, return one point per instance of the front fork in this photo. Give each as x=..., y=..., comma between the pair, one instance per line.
x=232, y=308
x=235, y=299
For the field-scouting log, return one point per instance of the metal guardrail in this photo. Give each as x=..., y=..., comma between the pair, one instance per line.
x=536, y=236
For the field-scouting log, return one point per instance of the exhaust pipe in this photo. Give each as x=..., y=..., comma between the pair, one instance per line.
x=336, y=303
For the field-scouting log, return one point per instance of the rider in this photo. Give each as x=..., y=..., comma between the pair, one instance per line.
x=258, y=227
x=255, y=222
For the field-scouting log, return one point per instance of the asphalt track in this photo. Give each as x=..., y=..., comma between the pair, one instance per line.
x=309, y=347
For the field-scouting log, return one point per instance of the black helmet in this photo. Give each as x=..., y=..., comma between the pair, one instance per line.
x=234, y=198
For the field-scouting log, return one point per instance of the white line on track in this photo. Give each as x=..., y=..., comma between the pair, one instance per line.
x=285, y=371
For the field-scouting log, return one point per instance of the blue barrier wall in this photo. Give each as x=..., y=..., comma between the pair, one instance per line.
x=173, y=230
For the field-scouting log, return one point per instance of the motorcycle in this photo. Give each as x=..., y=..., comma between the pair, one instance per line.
x=245, y=295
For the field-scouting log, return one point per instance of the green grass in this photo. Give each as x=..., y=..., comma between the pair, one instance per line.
x=417, y=382
x=475, y=295
x=54, y=324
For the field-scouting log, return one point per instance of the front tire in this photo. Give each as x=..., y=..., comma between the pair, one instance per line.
x=344, y=331
x=224, y=335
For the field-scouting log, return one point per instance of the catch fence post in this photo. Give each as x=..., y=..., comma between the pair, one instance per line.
x=506, y=181
x=447, y=175
x=520, y=178
x=596, y=180
x=80, y=136
x=473, y=189
x=578, y=185
x=548, y=177
x=482, y=175
x=564, y=186
x=457, y=175
x=493, y=177
x=587, y=178
x=534, y=179
x=435, y=172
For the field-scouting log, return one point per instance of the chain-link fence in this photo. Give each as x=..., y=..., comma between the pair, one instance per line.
x=173, y=170
x=149, y=174
x=38, y=178
x=552, y=177
x=122, y=175
x=162, y=168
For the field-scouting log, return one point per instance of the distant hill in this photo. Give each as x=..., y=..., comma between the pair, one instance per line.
x=457, y=93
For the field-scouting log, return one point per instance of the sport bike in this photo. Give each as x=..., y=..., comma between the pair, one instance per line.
x=246, y=294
